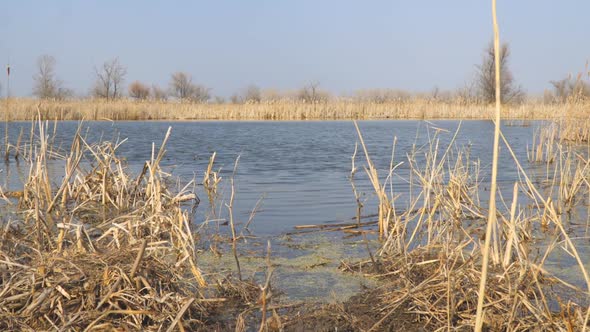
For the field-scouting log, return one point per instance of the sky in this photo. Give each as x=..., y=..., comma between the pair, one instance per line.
x=343, y=45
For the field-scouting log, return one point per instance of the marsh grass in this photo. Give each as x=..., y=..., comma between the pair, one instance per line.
x=433, y=251
x=544, y=143
x=105, y=249
x=26, y=110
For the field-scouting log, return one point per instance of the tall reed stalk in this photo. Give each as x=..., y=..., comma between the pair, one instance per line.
x=492, y=206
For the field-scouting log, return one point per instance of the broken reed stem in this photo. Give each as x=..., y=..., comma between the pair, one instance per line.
x=6, y=119
x=138, y=259
x=252, y=214
x=179, y=315
x=359, y=203
x=18, y=142
x=132, y=273
x=230, y=208
x=357, y=196
x=492, y=206
x=210, y=182
x=265, y=288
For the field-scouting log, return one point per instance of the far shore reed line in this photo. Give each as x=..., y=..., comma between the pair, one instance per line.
x=26, y=109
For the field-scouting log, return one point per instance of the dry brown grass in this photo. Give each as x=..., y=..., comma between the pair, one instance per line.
x=433, y=252
x=105, y=249
x=26, y=109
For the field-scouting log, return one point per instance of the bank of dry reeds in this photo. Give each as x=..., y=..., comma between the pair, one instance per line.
x=104, y=249
x=433, y=250
x=26, y=109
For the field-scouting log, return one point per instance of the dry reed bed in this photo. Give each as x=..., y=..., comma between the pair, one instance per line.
x=563, y=145
x=26, y=109
x=104, y=249
x=432, y=251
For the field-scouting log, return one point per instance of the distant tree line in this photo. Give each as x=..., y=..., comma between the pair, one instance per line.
x=111, y=76
x=109, y=84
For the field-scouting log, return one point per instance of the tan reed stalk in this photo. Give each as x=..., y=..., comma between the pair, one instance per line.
x=574, y=171
x=512, y=228
x=359, y=202
x=543, y=146
x=384, y=202
x=492, y=206
x=230, y=209
x=431, y=174
x=548, y=206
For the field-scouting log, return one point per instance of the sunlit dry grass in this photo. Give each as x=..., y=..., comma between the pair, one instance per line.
x=433, y=249
x=103, y=249
x=27, y=109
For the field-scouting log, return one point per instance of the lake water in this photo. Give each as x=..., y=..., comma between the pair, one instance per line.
x=301, y=168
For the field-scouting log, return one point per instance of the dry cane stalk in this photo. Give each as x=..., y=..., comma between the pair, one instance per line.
x=384, y=204
x=179, y=316
x=492, y=207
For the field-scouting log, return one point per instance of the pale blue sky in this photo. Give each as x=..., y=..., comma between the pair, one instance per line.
x=343, y=44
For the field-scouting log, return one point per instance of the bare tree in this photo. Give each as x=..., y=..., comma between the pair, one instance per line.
x=46, y=85
x=45, y=82
x=139, y=91
x=561, y=89
x=109, y=79
x=63, y=93
x=570, y=87
x=159, y=93
x=235, y=99
x=467, y=93
x=486, y=77
x=200, y=94
x=312, y=94
x=183, y=88
x=181, y=85
x=252, y=94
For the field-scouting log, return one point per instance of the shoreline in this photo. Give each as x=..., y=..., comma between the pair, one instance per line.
x=26, y=109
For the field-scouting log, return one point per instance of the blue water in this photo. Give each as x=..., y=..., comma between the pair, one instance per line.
x=301, y=168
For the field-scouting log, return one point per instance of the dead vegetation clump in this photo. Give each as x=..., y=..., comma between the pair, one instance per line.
x=431, y=258
x=104, y=249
